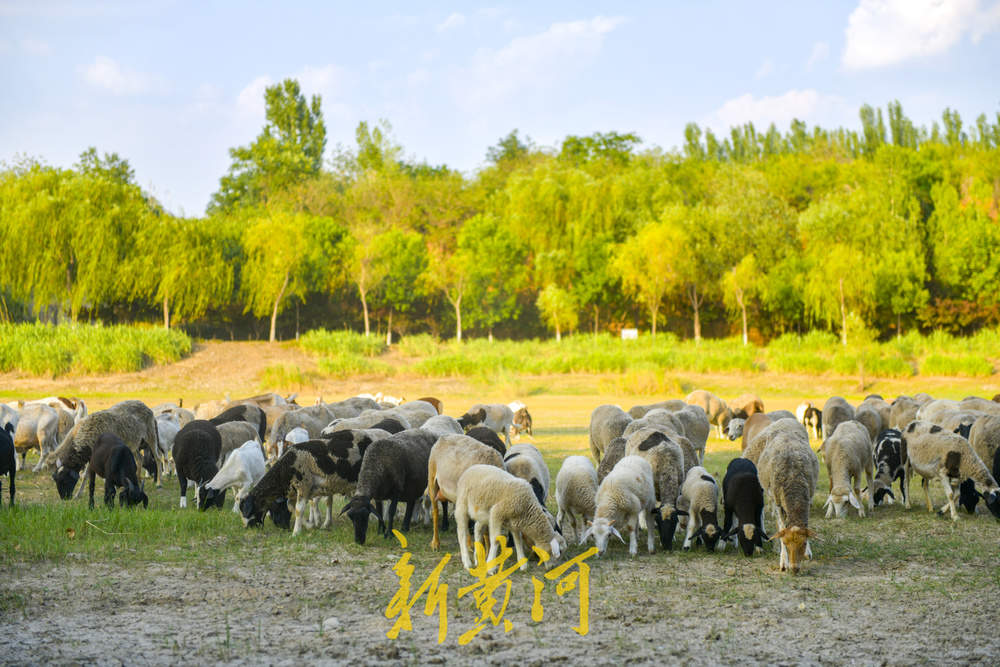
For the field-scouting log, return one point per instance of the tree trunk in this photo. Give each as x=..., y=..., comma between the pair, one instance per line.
x=597, y=315
x=899, y=326
x=744, y=311
x=458, y=319
x=558, y=333
x=653, y=310
x=166, y=313
x=490, y=334
x=388, y=330
x=274, y=313
x=695, y=304
x=843, y=315
x=364, y=307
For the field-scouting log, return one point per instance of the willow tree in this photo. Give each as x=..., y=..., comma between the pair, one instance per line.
x=648, y=264
x=559, y=309
x=740, y=284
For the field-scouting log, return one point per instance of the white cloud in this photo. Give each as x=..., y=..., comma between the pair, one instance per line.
x=250, y=101
x=887, y=32
x=820, y=52
x=765, y=69
x=454, y=20
x=533, y=61
x=806, y=105
x=106, y=73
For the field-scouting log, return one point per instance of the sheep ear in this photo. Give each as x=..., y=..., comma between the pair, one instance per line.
x=587, y=533
x=778, y=535
x=617, y=534
x=854, y=500
x=554, y=546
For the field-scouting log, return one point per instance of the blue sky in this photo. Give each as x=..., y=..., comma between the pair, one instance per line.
x=172, y=85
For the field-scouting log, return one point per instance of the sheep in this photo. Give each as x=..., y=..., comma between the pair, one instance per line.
x=612, y=455
x=934, y=452
x=870, y=418
x=8, y=460
x=167, y=427
x=661, y=420
x=902, y=411
x=38, y=426
x=196, y=458
x=934, y=411
x=749, y=428
x=493, y=497
x=812, y=419
x=881, y=406
x=922, y=398
x=746, y=405
x=744, y=505
x=980, y=405
x=233, y=435
x=393, y=469
x=756, y=446
x=415, y=412
x=789, y=471
x=132, y=421
x=436, y=402
x=250, y=414
x=673, y=405
x=607, y=422
x=985, y=441
x=495, y=416
x=696, y=427
x=526, y=462
x=780, y=414
x=960, y=422
x=487, y=437
x=293, y=437
x=800, y=411
x=311, y=419
x=450, y=456
x=627, y=498
x=9, y=415
x=181, y=416
x=522, y=423
x=332, y=464
x=667, y=460
x=715, y=408
x=112, y=460
x=244, y=468
x=888, y=460
x=835, y=410
x=699, y=497
x=367, y=419
x=576, y=492
x=441, y=425
x=848, y=453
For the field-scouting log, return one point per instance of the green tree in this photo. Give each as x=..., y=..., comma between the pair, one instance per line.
x=740, y=284
x=559, y=309
x=647, y=264
x=498, y=272
x=403, y=260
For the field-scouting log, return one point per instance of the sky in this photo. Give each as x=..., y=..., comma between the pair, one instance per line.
x=171, y=86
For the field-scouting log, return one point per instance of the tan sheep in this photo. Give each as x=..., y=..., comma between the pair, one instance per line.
x=849, y=454
x=576, y=493
x=715, y=408
x=451, y=456
x=789, y=472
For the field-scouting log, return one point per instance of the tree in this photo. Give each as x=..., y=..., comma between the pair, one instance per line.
x=287, y=151
x=647, y=264
x=559, y=309
x=741, y=284
x=509, y=149
x=497, y=270
x=111, y=166
x=451, y=272
x=403, y=260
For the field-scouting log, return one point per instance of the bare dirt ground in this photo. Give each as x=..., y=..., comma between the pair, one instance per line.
x=856, y=603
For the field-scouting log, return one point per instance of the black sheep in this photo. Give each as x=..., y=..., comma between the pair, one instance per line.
x=8, y=459
x=743, y=497
x=487, y=436
x=196, y=451
x=243, y=413
x=113, y=460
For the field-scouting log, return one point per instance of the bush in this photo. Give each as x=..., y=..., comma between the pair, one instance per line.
x=966, y=365
x=335, y=343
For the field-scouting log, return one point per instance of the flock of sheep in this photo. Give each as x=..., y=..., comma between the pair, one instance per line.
x=646, y=472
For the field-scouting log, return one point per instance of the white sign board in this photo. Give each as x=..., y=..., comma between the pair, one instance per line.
x=630, y=334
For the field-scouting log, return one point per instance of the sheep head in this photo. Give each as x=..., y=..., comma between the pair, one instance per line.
x=251, y=512
x=209, y=497
x=993, y=503
x=358, y=510
x=735, y=428
x=838, y=500
x=280, y=514
x=65, y=479
x=750, y=538
x=710, y=533
x=795, y=542
x=968, y=496
x=601, y=530
x=666, y=518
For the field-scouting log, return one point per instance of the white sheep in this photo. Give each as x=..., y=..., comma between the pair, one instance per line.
x=715, y=408
x=244, y=467
x=700, y=499
x=526, y=462
x=835, y=410
x=493, y=497
x=848, y=454
x=756, y=445
x=451, y=456
x=576, y=493
x=668, y=461
x=626, y=497
x=789, y=471
x=607, y=422
x=441, y=425
x=495, y=416
x=293, y=437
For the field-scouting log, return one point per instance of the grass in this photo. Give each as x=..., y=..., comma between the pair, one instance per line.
x=47, y=350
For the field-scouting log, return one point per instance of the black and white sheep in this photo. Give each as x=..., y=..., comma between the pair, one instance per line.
x=8, y=460
x=495, y=416
x=667, y=460
x=699, y=497
x=743, y=499
x=112, y=460
x=888, y=460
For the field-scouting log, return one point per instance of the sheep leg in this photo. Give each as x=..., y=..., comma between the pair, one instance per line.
x=907, y=473
x=408, y=514
x=444, y=515
x=390, y=515
x=92, y=479
x=650, y=544
x=328, y=520
x=926, y=485
x=694, y=523
x=184, y=486
x=300, y=507
x=870, y=478
x=946, y=483
x=496, y=530
x=633, y=543
x=462, y=529
x=79, y=489
x=519, y=548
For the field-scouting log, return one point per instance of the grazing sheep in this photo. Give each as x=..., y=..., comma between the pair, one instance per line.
x=8, y=460
x=522, y=423
x=112, y=460
x=746, y=405
x=744, y=504
x=526, y=462
x=181, y=416
x=607, y=422
x=243, y=468
x=415, y=412
x=922, y=398
x=800, y=411
x=310, y=419
x=755, y=446
x=38, y=427
x=132, y=421
x=835, y=411
x=696, y=427
x=977, y=404
x=667, y=460
x=494, y=416
x=985, y=441
x=393, y=469
x=576, y=493
x=487, y=437
x=935, y=453
x=848, y=454
x=812, y=419
x=715, y=408
x=441, y=425
x=700, y=499
x=888, y=460
x=789, y=472
x=934, y=411
x=8, y=415
x=248, y=413
x=436, y=402
x=881, y=406
x=233, y=435
x=293, y=437
x=493, y=497
x=960, y=422
x=451, y=456
x=673, y=405
x=659, y=419
x=167, y=427
x=902, y=411
x=612, y=455
x=367, y=419
x=626, y=498
x=781, y=414
x=868, y=416
x=196, y=458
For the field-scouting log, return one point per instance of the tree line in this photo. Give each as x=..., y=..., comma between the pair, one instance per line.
x=883, y=228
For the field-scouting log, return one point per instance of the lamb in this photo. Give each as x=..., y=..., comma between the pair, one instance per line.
x=576, y=492
x=902, y=411
x=441, y=425
x=233, y=435
x=244, y=468
x=835, y=411
x=673, y=405
x=936, y=453
x=495, y=416
x=526, y=462
x=744, y=504
x=493, y=497
x=393, y=469
x=746, y=405
x=196, y=456
x=888, y=459
x=250, y=414
x=870, y=418
x=668, y=463
x=8, y=460
x=700, y=499
x=112, y=460
x=607, y=422
x=451, y=456
x=789, y=472
x=487, y=437
x=627, y=498
x=132, y=421
x=848, y=453
x=756, y=446
x=612, y=455
x=715, y=408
